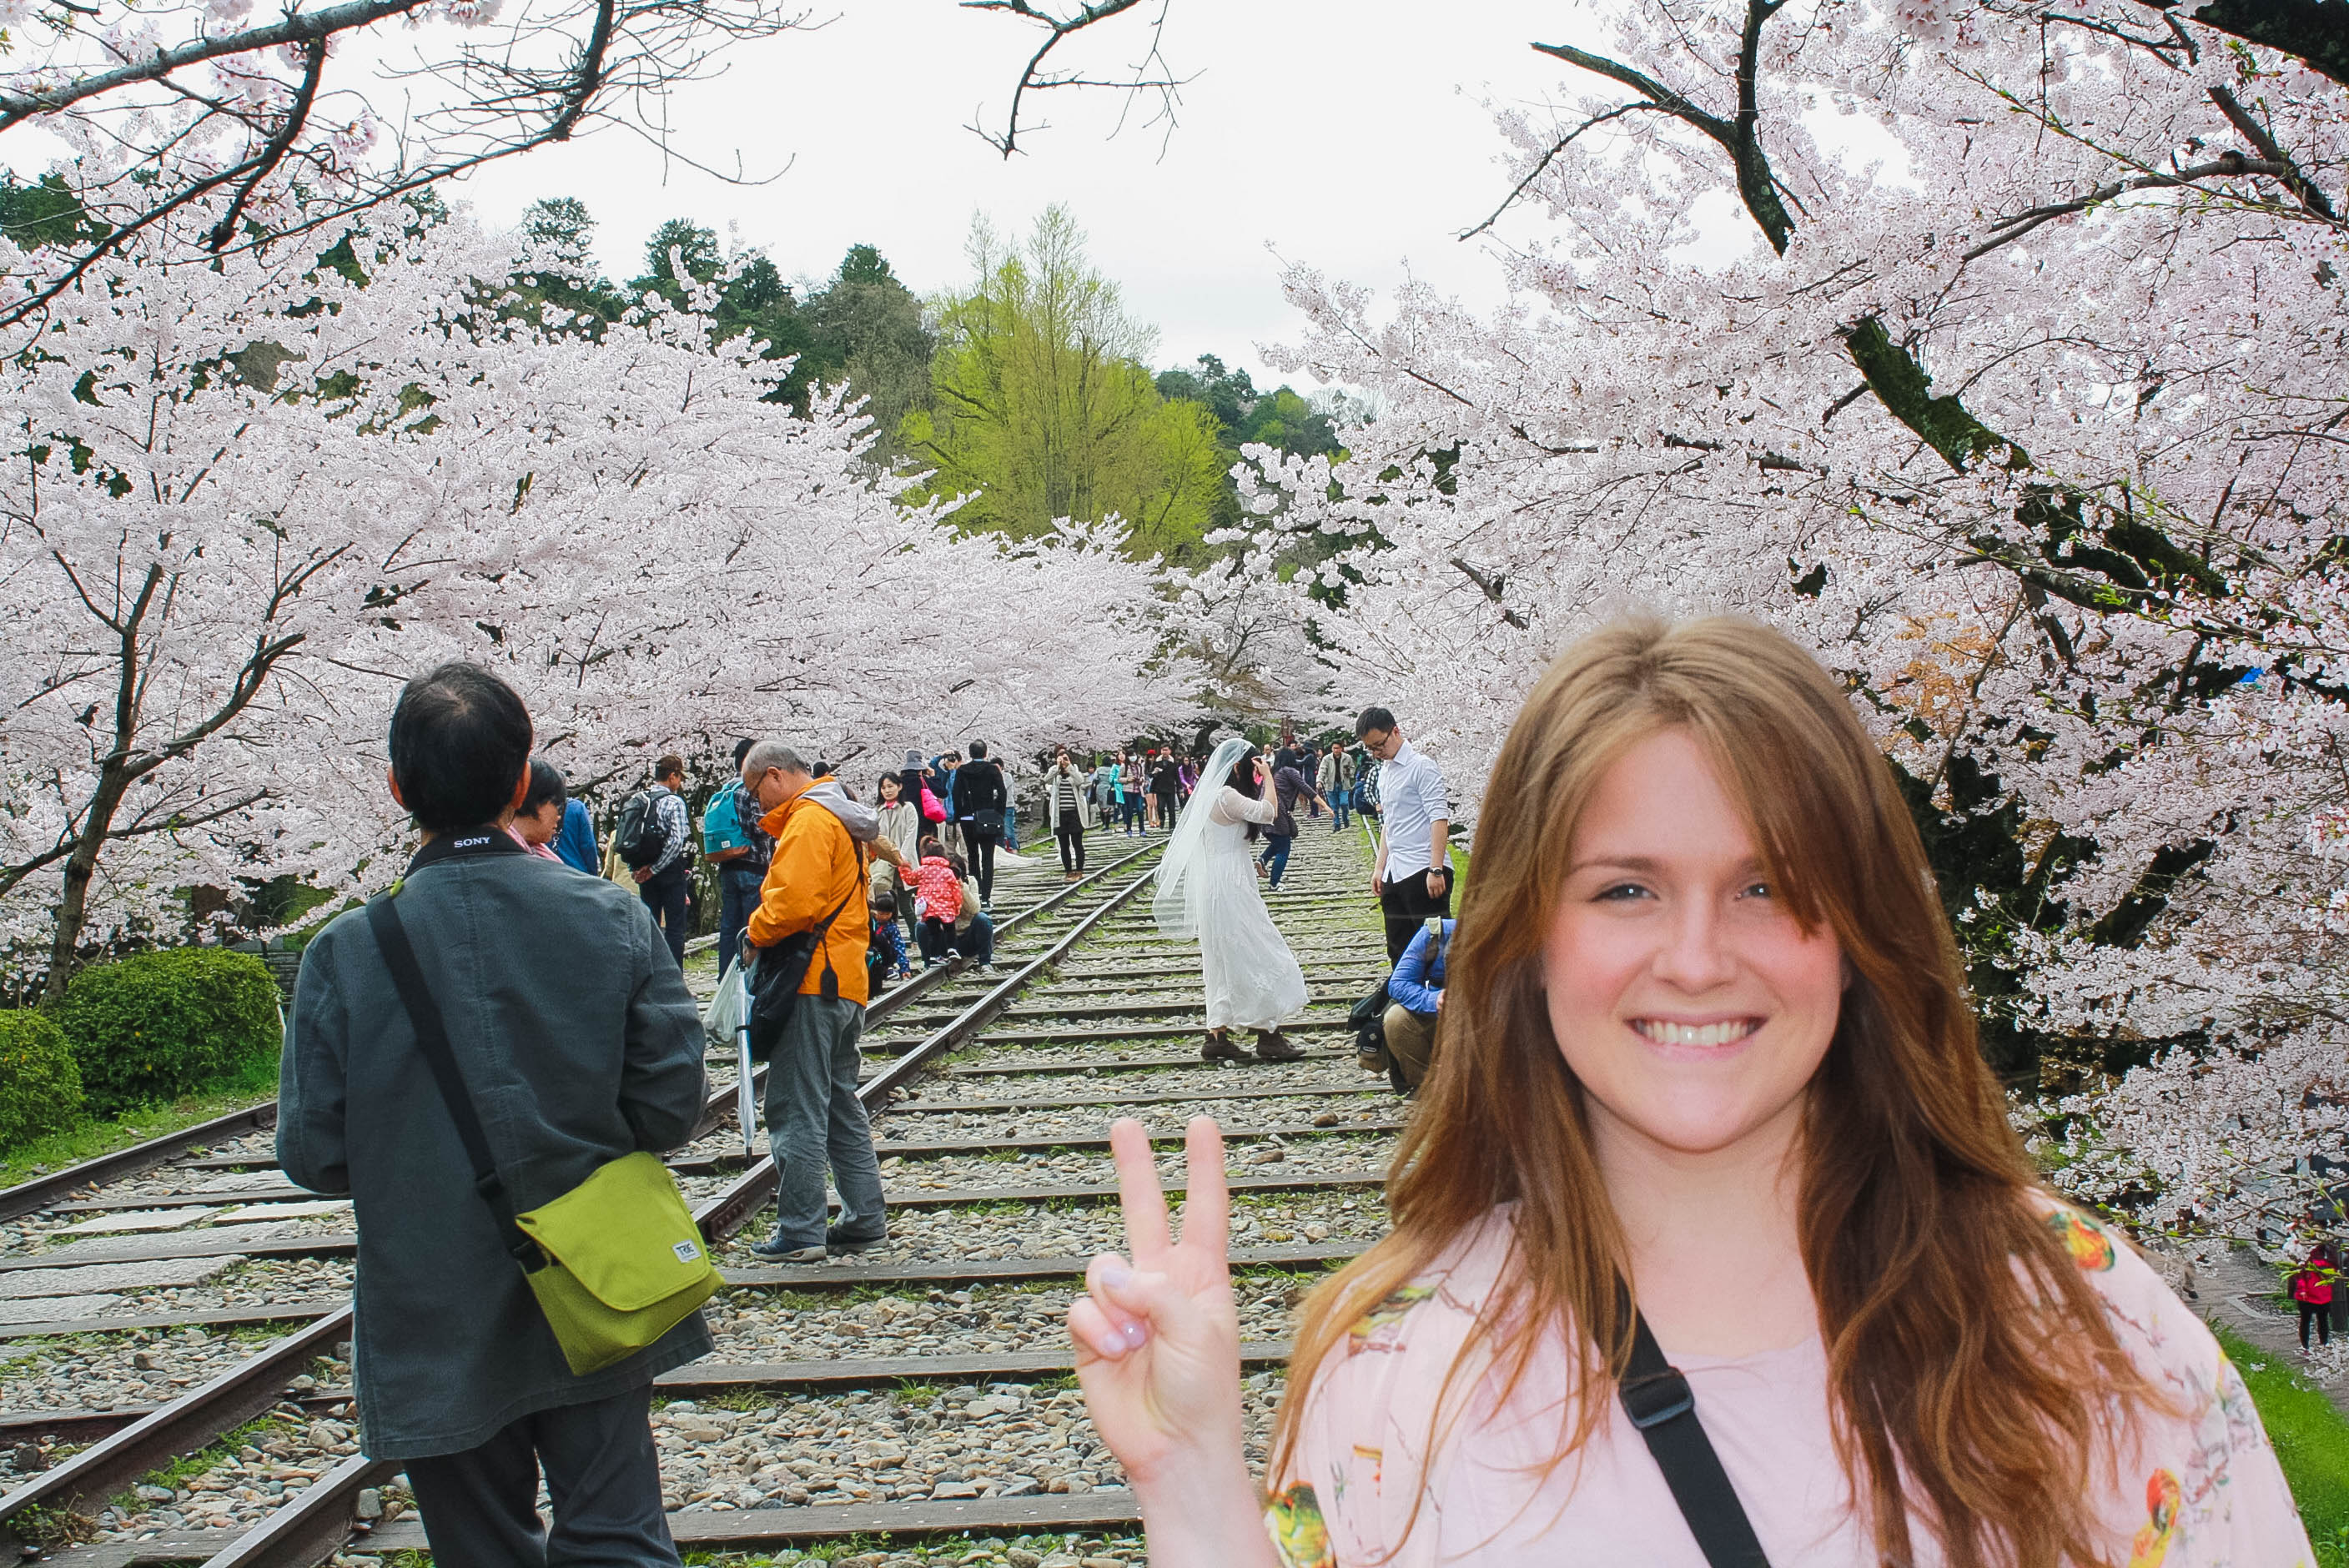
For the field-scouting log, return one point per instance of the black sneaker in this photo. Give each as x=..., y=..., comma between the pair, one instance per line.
x=782, y=1252
x=837, y=1244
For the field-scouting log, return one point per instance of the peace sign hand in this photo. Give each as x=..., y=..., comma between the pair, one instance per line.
x=1158, y=1340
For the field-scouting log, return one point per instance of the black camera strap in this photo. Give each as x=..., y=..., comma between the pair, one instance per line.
x=1663, y=1408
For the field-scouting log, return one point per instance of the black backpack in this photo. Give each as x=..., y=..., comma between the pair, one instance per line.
x=1368, y=1021
x=641, y=838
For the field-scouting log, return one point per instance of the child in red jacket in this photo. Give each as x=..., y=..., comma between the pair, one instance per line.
x=940, y=890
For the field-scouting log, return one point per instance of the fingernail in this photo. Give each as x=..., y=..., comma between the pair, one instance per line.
x=1116, y=1276
x=1135, y=1335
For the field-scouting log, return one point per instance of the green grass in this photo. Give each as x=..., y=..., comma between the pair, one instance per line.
x=2310, y=1439
x=188, y=1467
x=87, y=1141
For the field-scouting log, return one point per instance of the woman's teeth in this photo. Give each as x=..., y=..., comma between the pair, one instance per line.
x=1723, y=1034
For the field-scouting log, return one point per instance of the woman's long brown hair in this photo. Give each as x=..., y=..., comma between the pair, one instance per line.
x=1973, y=1376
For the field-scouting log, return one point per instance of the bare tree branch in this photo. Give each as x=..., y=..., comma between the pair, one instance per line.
x=1492, y=585
x=314, y=66
x=1544, y=162
x=1150, y=73
x=2006, y=231
x=2314, y=31
x=295, y=27
x=2298, y=183
x=1739, y=137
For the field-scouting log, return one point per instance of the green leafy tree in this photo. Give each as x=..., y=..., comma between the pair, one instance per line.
x=866, y=327
x=1042, y=407
x=45, y=212
x=753, y=297
x=564, y=223
x=1244, y=417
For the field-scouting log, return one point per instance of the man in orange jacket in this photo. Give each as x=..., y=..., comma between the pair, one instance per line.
x=815, y=882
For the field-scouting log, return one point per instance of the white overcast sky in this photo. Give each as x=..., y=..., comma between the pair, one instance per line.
x=1349, y=135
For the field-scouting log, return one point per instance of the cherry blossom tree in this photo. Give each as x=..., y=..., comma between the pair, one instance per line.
x=193, y=123
x=1994, y=348
x=247, y=498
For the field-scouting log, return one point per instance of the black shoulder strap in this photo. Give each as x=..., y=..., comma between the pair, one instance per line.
x=432, y=1039
x=1662, y=1406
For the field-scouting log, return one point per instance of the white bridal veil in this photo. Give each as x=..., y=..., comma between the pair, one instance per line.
x=1182, y=887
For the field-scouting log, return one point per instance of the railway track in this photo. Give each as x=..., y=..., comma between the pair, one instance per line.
x=915, y=1392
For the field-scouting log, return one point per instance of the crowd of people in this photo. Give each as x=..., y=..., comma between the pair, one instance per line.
x=528, y=1033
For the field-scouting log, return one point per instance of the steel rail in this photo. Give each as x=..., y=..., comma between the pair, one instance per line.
x=723, y=1213
x=320, y=1520
x=185, y=1426
x=718, y=1108
x=42, y=1191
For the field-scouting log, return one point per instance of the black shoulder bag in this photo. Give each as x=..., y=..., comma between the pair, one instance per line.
x=781, y=969
x=1663, y=1408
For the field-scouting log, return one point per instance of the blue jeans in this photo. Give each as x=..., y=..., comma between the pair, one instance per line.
x=1337, y=812
x=814, y=1120
x=975, y=941
x=1275, y=854
x=738, y=895
x=1128, y=812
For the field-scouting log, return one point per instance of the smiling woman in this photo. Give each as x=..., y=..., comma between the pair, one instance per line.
x=1726, y=1100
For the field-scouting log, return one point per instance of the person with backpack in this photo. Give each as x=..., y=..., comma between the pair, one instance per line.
x=1414, y=1001
x=1101, y=786
x=574, y=1048
x=979, y=802
x=2312, y=1287
x=731, y=841
x=974, y=928
x=813, y=912
x=655, y=840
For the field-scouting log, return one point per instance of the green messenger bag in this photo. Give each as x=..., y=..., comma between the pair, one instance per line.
x=625, y=1261
x=617, y=1262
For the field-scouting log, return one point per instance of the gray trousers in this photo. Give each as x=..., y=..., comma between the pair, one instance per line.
x=814, y=1120
x=603, y=1476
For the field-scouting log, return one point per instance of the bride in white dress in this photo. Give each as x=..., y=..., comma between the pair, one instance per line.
x=1207, y=891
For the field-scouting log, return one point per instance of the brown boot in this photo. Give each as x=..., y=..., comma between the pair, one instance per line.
x=1276, y=1047
x=1218, y=1047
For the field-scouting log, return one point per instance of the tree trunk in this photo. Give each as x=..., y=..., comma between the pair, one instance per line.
x=73, y=901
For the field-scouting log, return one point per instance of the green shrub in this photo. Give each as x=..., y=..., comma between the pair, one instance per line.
x=156, y=1026
x=40, y=1087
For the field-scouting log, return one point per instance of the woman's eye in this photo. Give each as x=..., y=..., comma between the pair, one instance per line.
x=1756, y=890
x=1623, y=893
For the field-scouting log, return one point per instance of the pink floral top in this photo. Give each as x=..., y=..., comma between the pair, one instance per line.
x=2201, y=1492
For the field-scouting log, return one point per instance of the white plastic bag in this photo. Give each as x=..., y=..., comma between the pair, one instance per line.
x=724, y=1013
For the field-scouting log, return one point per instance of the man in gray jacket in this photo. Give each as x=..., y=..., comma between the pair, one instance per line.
x=578, y=1043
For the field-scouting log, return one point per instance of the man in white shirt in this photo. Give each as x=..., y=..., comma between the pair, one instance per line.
x=1414, y=878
